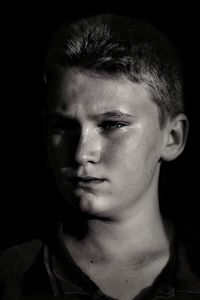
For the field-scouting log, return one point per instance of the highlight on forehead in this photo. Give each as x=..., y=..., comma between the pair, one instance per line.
x=74, y=73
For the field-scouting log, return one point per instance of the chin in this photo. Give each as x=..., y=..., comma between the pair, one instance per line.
x=86, y=202
x=88, y=205
x=93, y=206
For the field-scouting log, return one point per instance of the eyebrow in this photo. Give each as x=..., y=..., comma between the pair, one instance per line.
x=108, y=114
x=115, y=113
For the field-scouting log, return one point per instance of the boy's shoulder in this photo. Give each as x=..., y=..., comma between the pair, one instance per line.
x=17, y=259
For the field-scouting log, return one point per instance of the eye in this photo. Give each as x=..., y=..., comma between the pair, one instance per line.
x=63, y=127
x=111, y=125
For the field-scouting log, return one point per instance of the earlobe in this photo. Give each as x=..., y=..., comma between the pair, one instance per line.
x=176, y=137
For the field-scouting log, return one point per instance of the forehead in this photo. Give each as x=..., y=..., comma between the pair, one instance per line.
x=81, y=90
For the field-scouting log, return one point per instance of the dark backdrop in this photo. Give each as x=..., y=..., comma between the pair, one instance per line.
x=26, y=29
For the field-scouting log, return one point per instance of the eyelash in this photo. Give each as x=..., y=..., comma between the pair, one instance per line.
x=111, y=125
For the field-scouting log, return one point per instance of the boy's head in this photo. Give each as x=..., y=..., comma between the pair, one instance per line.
x=117, y=46
x=114, y=111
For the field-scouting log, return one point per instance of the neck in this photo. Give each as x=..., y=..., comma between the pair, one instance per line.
x=146, y=232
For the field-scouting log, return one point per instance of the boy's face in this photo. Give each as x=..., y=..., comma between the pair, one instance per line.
x=104, y=143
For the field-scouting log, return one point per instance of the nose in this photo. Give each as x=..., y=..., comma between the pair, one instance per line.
x=89, y=147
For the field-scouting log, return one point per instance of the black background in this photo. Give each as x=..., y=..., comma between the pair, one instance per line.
x=26, y=29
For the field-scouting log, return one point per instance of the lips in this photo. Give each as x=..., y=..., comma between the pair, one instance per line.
x=85, y=181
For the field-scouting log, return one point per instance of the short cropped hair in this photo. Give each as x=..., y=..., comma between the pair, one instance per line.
x=121, y=46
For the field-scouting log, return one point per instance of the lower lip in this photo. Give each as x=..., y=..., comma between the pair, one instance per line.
x=86, y=184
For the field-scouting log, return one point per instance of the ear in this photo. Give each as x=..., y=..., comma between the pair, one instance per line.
x=175, y=138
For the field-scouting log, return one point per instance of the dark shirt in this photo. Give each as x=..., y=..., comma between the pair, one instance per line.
x=45, y=270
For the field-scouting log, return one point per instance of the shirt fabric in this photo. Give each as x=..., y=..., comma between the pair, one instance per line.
x=44, y=270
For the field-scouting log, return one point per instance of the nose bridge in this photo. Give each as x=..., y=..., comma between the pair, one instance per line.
x=88, y=148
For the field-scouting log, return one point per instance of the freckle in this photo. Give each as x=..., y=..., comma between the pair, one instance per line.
x=91, y=261
x=126, y=280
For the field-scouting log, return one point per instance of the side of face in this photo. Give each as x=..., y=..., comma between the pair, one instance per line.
x=105, y=143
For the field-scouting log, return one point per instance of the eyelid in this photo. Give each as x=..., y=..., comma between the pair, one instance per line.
x=115, y=121
x=111, y=125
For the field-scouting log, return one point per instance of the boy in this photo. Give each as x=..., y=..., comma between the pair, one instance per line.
x=115, y=112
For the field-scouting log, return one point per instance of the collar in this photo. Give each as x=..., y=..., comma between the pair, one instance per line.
x=59, y=275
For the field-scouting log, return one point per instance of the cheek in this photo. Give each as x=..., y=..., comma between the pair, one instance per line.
x=132, y=154
x=58, y=151
x=120, y=150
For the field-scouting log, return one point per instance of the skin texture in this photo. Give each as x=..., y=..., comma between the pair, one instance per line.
x=106, y=129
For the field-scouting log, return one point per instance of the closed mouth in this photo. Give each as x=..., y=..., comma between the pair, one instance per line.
x=85, y=181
